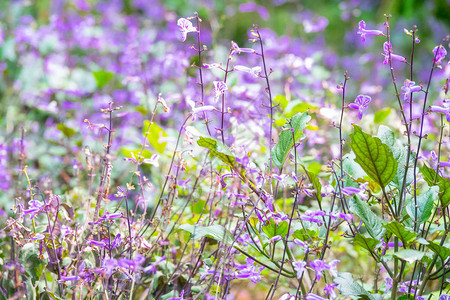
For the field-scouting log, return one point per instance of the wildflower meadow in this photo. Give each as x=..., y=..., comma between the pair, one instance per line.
x=182, y=149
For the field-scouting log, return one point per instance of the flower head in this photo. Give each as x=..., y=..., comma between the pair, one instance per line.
x=387, y=48
x=219, y=88
x=408, y=88
x=361, y=103
x=329, y=289
x=363, y=31
x=256, y=71
x=443, y=110
x=235, y=49
x=439, y=54
x=185, y=27
x=299, y=267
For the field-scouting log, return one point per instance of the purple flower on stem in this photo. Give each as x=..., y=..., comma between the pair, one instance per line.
x=185, y=27
x=443, y=110
x=329, y=289
x=319, y=266
x=34, y=207
x=388, y=285
x=439, y=54
x=69, y=278
x=219, y=88
x=249, y=270
x=275, y=239
x=408, y=88
x=235, y=49
x=256, y=71
x=363, y=31
x=299, y=267
x=387, y=48
x=361, y=103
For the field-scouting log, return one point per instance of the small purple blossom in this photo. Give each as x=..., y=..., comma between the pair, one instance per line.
x=235, y=49
x=299, y=267
x=219, y=89
x=250, y=271
x=408, y=88
x=319, y=266
x=387, y=48
x=34, y=207
x=255, y=71
x=363, y=31
x=439, y=54
x=361, y=103
x=329, y=289
x=443, y=110
x=185, y=27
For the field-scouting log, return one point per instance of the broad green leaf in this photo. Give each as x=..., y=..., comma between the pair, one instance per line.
x=373, y=156
x=352, y=171
x=272, y=229
x=154, y=134
x=365, y=242
x=443, y=184
x=29, y=257
x=102, y=77
x=67, y=131
x=218, y=150
x=425, y=204
x=381, y=115
x=304, y=234
x=409, y=255
x=351, y=288
x=216, y=232
x=400, y=153
x=315, y=182
x=371, y=221
x=400, y=231
x=443, y=252
x=286, y=141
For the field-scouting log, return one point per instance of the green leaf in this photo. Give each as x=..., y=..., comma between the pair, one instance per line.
x=315, y=182
x=442, y=252
x=215, y=232
x=218, y=150
x=67, y=131
x=154, y=134
x=102, y=77
x=366, y=243
x=425, y=204
x=281, y=100
x=272, y=229
x=443, y=184
x=409, y=255
x=350, y=288
x=400, y=231
x=372, y=223
x=400, y=153
x=381, y=115
x=29, y=257
x=135, y=154
x=286, y=141
x=373, y=156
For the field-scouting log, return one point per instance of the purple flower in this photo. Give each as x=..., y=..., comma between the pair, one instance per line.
x=249, y=271
x=361, y=103
x=444, y=297
x=408, y=88
x=439, y=54
x=302, y=244
x=69, y=278
x=235, y=49
x=363, y=31
x=314, y=297
x=299, y=267
x=443, y=110
x=256, y=71
x=152, y=268
x=387, y=48
x=350, y=191
x=388, y=285
x=319, y=266
x=329, y=289
x=219, y=89
x=275, y=239
x=185, y=27
x=34, y=207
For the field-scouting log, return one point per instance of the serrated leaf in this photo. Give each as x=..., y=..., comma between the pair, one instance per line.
x=315, y=182
x=350, y=288
x=371, y=221
x=443, y=184
x=218, y=150
x=381, y=115
x=286, y=141
x=425, y=204
x=373, y=156
x=442, y=252
x=272, y=229
x=67, y=131
x=154, y=134
x=102, y=77
x=400, y=231
x=215, y=232
x=409, y=255
x=365, y=242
